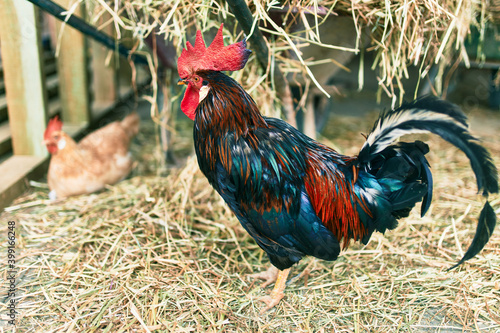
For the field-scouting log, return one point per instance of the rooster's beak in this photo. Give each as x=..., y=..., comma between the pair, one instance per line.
x=181, y=82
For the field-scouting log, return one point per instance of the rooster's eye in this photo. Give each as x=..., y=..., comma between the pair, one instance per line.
x=196, y=79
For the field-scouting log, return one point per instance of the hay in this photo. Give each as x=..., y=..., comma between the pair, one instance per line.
x=161, y=252
x=403, y=34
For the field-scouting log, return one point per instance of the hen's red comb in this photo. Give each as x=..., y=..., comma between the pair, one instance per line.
x=55, y=124
x=216, y=57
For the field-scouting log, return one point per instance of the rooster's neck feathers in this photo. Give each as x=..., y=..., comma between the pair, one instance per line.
x=227, y=108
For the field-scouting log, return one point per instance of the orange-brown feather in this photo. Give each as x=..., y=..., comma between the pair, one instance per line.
x=334, y=201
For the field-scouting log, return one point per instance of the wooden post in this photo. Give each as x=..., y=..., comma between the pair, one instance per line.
x=104, y=76
x=24, y=78
x=72, y=71
x=124, y=71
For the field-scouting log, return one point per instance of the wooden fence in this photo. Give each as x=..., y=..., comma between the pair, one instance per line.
x=35, y=85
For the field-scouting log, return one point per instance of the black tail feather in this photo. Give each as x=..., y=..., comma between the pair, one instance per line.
x=426, y=201
x=445, y=119
x=430, y=114
x=484, y=230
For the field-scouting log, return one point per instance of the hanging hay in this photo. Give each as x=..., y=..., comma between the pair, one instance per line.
x=402, y=34
x=163, y=253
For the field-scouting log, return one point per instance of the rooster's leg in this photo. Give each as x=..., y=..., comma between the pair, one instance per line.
x=268, y=276
x=277, y=293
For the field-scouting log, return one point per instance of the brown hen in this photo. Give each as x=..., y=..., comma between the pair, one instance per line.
x=99, y=159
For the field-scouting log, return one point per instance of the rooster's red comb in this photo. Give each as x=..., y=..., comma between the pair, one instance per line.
x=216, y=57
x=55, y=124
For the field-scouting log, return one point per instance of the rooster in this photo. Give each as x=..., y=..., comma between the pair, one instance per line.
x=298, y=197
x=101, y=158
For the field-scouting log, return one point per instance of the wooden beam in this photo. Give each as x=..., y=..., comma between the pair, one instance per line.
x=50, y=71
x=23, y=75
x=14, y=175
x=104, y=74
x=72, y=71
x=104, y=78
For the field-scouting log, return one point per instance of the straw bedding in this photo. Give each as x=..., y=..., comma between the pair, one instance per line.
x=161, y=252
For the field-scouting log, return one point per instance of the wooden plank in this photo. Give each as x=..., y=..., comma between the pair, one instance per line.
x=52, y=83
x=23, y=74
x=72, y=71
x=104, y=74
x=50, y=69
x=14, y=173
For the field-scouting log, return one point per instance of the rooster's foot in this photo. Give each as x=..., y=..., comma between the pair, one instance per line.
x=277, y=293
x=268, y=276
x=271, y=301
